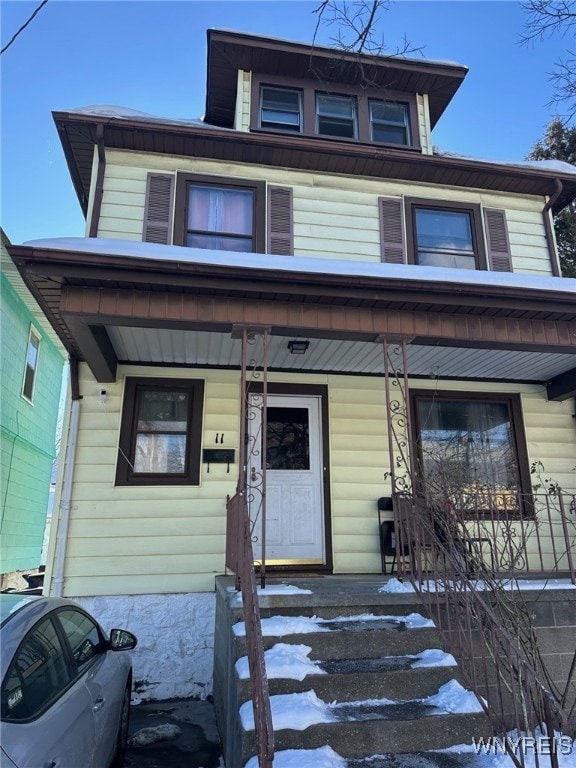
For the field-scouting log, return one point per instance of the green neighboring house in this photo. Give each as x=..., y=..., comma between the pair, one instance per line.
x=32, y=361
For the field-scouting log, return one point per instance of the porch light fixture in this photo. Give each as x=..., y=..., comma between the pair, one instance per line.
x=298, y=346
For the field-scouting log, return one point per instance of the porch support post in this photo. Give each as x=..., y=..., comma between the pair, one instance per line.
x=398, y=413
x=254, y=368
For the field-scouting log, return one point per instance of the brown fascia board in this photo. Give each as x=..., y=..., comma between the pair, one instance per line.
x=104, y=268
x=78, y=135
x=230, y=51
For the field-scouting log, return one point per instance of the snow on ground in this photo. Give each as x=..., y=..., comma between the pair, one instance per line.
x=395, y=586
x=278, y=626
x=298, y=711
x=324, y=757
x=284, y=661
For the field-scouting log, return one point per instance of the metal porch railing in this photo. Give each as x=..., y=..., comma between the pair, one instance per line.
x=240, y=560
x=465, y=565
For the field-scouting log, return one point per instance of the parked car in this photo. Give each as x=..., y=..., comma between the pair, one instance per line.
x=65, y=696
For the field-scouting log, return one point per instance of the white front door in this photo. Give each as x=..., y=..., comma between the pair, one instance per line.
x=294, y=521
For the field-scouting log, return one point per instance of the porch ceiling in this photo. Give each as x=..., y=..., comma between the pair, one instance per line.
x=205, y=348
x=113, y=302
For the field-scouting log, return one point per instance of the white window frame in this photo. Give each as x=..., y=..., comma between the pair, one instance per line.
x=33, y=336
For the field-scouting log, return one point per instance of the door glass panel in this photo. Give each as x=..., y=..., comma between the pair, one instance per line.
x=288, y=439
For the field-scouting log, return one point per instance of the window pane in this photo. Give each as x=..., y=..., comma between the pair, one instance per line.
x=389, y=111
x=241, y=244
x=444, y=238
x=391, y=134
x=31, y=364
x=158, y=453
x=280, y=109
x=336, y=116
x=162, y=411
x=467, y=447
x=288, y=442
x=38, y=674
x=216, y=209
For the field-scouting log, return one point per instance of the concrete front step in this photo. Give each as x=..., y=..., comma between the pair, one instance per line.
x=361, y=679
x=372, y=640
x=403, y=730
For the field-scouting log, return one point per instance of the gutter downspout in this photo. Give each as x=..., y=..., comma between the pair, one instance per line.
x=556, y=271
x=57, y=582
x=99, y=188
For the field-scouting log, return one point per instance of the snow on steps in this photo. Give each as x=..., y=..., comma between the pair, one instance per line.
x=368, y=691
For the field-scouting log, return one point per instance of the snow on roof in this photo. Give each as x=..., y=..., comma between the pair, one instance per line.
x=385, y=56
x=127, y=113
x=298, y=264
x=541, y=165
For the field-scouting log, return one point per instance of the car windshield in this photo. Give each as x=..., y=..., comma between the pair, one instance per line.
x=10, y=603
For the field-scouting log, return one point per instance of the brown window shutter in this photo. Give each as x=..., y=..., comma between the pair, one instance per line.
x=158, y=208
x=499, y=257
x=392, y=246
x=280, y=221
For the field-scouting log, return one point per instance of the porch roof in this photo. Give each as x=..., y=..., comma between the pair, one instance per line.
x=119, y=301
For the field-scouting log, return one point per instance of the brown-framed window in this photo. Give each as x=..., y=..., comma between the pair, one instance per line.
x=471, y=450
x=389, y=121
x=348, y=113
x=336, y=116
x=160, y=433
x=281, y=109
x=220, y=214
x=445, y=234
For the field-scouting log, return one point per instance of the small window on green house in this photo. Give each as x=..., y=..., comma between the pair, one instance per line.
x=31, y=364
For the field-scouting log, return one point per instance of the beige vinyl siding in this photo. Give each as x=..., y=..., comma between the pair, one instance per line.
x=242, y=114
x=424, y=123
x=165, y=538
x=161, y=539
x=334, y=217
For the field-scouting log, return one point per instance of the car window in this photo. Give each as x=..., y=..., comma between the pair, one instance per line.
x=83, y=634
x=37, y=675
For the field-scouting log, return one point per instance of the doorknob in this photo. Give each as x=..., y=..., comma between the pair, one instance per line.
x=253, y=477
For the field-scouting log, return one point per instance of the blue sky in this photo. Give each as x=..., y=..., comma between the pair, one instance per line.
x=151, y=56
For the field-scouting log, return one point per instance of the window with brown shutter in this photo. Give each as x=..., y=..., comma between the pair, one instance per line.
x=497, y=240
x=280, y=226
x=158, y=208
x=392, y=247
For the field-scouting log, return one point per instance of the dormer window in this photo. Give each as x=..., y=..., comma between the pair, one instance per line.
x=389, y=122
x=347, y=113
x=281, y=109
x=336, y=116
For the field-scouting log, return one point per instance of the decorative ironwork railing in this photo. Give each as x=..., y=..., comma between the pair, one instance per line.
x=466, y=567
x=240, y=560
x=250, y=497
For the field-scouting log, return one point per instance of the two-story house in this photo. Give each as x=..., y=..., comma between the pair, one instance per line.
x=282, y=265
x=31, y=379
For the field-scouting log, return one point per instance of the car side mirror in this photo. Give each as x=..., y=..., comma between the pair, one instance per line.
x=122, y=640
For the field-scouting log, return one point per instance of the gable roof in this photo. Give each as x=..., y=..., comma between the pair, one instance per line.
x=230, y=51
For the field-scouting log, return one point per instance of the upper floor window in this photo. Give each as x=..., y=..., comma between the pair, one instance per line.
x=350, y=113
x=336, y=116
x=445, y=235
x=281, y=108
x=389, y=122
x=219, y=215
x=31, y=364
x=160, y=433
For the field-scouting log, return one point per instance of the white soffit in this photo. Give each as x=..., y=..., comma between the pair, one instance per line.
x=198, y=348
